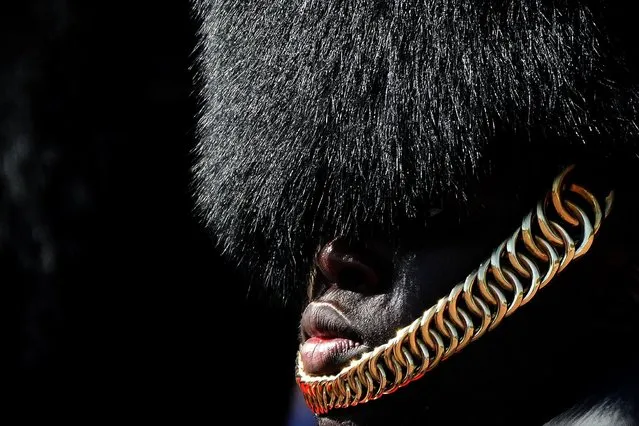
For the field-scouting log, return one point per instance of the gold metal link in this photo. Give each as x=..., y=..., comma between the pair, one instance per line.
x=556, y=232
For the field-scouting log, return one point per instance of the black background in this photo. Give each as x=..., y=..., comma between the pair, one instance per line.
x=118, y=304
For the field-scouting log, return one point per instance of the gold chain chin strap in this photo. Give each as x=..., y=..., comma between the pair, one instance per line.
x=517, y=269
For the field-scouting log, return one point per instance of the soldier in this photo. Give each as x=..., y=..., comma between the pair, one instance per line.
x=447, y=186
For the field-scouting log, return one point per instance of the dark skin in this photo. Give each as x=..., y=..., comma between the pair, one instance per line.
x=536, y=367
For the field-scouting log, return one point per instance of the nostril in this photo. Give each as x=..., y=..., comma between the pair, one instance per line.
x=348, y=266
x=359, y=277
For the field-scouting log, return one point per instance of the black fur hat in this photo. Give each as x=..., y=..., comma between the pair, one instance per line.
x=323, y=117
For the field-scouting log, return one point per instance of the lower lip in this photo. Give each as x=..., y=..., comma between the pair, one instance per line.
x=321, y=356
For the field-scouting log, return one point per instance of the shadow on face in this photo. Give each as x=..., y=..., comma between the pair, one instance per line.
x=548, y=355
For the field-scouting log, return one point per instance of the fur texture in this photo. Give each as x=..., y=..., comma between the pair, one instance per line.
x=328, y=117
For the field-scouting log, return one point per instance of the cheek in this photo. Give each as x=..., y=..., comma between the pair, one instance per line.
x=423, y=277
x=420, y=279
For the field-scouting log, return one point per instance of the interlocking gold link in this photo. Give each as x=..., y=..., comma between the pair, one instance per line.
x=556, y=232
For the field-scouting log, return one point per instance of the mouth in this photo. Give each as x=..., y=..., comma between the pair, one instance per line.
x=329, y=341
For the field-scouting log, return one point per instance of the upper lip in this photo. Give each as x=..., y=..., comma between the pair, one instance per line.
x=325, y=321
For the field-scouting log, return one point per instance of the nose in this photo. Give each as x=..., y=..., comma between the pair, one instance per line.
x=352, y=266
